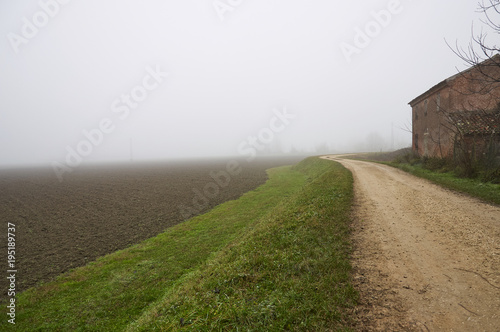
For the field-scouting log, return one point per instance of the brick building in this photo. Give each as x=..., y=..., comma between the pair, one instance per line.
x=464, y=106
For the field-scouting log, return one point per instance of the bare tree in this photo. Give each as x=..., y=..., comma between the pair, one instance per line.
x=481, y=52
x=475, y=133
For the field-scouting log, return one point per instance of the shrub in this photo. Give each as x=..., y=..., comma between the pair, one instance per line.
x=434, y=163
x=410, y=157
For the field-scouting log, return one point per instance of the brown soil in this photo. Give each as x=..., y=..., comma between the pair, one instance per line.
x=96, y=211
x=425, y=258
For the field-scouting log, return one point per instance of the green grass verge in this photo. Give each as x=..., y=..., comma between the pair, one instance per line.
x=277, y=258
x=488, y=192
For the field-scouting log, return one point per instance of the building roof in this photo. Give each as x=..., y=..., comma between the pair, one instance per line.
x=477, y=122
x=429, y=92
x=442, y=84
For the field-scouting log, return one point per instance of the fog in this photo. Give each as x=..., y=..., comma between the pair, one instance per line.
x=105, y=81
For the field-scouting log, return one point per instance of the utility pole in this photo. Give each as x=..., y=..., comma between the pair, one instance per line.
x=392, y=136
x=131, y=151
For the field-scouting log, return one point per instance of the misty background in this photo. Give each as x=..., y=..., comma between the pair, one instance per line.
x=231, y=65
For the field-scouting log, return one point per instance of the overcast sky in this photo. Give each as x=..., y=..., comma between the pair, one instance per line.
x=162, y=79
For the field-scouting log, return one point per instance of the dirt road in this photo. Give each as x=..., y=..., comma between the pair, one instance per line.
x=425, y=258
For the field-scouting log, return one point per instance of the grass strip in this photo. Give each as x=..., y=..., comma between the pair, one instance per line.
x=291, y=272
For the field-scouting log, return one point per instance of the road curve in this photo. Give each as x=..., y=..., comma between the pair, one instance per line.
x=425, y=258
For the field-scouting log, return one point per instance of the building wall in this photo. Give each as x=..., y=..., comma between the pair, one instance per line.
x=430, y=134
x=468, y=92
x=463, y=92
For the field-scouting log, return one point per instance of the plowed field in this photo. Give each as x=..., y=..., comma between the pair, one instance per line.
x=95, y=211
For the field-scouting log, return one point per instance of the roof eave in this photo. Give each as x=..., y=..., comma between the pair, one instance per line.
x=495, y=59
x=432, y=90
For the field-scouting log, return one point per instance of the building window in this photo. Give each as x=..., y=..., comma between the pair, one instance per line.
x=416, y=141
x=425, y=108
x=416, y=113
